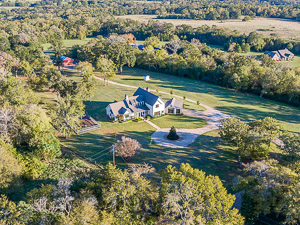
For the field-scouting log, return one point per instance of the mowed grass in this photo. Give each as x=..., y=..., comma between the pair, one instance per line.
x=244, y=106
x=282, y=28
x=209, y=153
x=179, y=121
x=69, y=43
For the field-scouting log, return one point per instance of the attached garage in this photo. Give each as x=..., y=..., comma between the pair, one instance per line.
x=174, y=106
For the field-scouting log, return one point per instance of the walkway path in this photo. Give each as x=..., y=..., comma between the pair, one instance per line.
x=187, y=136
x=152, y=124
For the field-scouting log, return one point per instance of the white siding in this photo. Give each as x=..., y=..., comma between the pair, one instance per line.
x=160, y=109
x=109, y=114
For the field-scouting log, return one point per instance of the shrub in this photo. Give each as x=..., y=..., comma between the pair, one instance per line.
x=173, y=134
x=198, y=102
x=246, y=18
x=184, y=97
x=127, y=147
x=171, y=92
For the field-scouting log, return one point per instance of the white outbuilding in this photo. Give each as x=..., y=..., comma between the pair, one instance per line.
x=146, y=77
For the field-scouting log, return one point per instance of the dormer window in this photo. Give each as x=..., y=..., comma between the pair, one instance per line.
x=157, y=106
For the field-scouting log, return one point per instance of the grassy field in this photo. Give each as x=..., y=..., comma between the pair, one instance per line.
x=69, y=43
x=207, y=153
x=283, y=28
x=245, y=106
x=188, y=122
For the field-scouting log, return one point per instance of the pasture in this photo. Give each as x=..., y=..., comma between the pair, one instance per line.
x=208, y=153
x=243, y=105
x=282, y=28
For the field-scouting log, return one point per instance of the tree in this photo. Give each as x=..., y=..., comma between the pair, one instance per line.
x=247, y=18
x=152, y=41
x=174, y=45
x=245, y=47
x=234, y=131
x=237, y=48
x=291, y=145
x=67, y=114
x=127, y=194
x=10, y=167
x=57, y=47
x=121, y=53
x=4, y=43
x=51, y=203
x=12, y=214
x=107, y=67
x=270, y=188
x=84, y=211
x=8, y=124
x=86, y=70
x=252, y=140
x=173, y=134
x=188, y=196
x=235, y=82
x=127, y=147
x=16, y=92
x=27, y=69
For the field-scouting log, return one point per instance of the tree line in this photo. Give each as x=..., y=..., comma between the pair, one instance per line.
x=34, y=26
x=209, y=10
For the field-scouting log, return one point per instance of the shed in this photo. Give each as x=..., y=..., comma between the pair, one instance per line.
x=146, y=77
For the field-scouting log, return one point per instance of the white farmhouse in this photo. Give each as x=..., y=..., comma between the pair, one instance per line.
x=141, y=104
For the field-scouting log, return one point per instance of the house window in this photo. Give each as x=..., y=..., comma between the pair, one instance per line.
x=177, y=111
x=171, y=111
x=157, y=113
x=157, y=106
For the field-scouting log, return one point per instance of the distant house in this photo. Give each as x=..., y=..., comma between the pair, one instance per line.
x=143, y=103
x=146, y=77
x=174, y=106
x=280, y=55
x=66, y=61
x=139, y=46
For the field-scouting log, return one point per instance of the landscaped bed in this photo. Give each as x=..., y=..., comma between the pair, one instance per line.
x=179, y=121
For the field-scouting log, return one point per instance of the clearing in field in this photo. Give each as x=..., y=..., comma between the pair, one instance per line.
x=282, y=28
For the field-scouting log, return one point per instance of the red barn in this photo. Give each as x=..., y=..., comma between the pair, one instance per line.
x=66, y=61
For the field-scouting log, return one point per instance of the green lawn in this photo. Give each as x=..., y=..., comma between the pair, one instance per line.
x=244, y=106
x=209, y=153
x=188, y=122
x=69, y=43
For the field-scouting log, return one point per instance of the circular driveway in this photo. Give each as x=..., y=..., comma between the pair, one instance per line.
x=188, y=136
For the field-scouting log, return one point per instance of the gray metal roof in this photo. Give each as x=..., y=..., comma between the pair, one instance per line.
x=149, y=98
x=131, y=105
x=175, y=103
